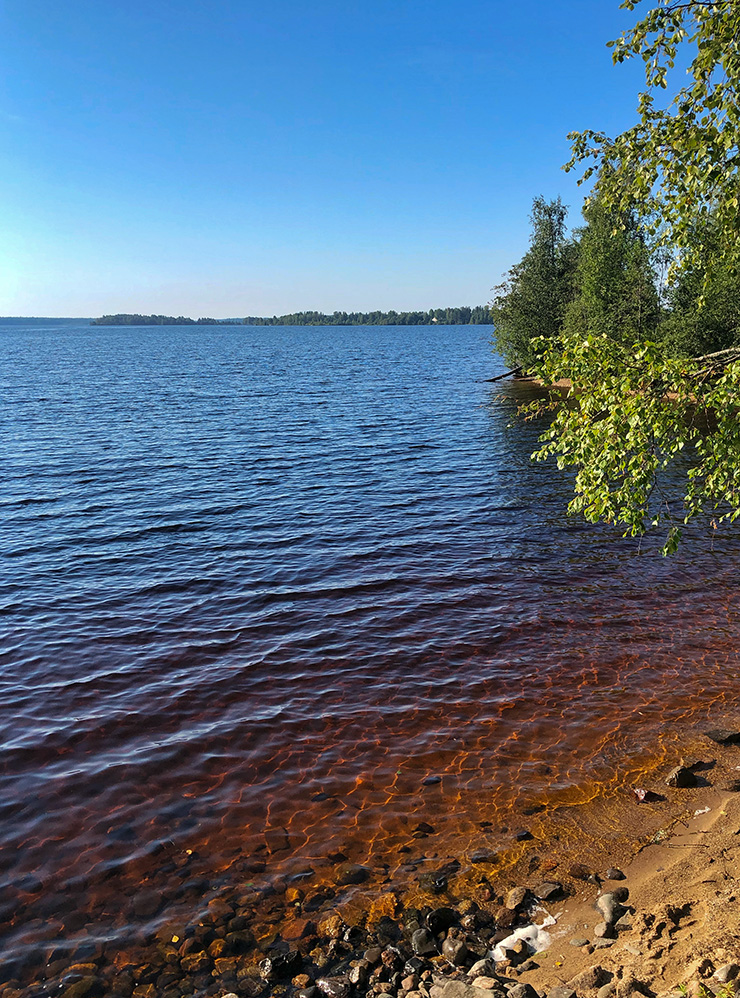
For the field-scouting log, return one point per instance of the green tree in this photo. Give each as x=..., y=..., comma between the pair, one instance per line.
x=635, y=411
x=531, y=301
x=615, y=284
x=703, y=305
x=678, y=165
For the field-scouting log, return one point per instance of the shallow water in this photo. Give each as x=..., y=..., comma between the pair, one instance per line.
x=259, y=584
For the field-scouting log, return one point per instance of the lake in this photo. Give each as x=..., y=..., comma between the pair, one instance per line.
x=275, y=595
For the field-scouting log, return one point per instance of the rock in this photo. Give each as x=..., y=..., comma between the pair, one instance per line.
x=147, y=904
x=332, y=927
x=430, y=781
x=486, y=983
x=589, y=980
x=333, y=987
x=602, y=943
x=358, y=976
x=518, y=951
x=732, y=787
x=523, y=991
x=457, y=989
x=726, y=973
x=610, y=908
x=299, y=928
x=197, y=963
x=352, y=873
x=578, y=942
x=724, y=736
x=89, y=985
x=604, y=930
x=422, y=943
x=483, y=856
x=515, y=898
x=481, y=968
x=579, y=872
x=614, y=873
x=504, y=918
x=561, y=991
x=415, y=965
x=607, y=991
x=275, y=967
x=548, y=891
x=441, y=919
x=523, y=835
x=454, y=951
x=392, y=959
x=682, y=777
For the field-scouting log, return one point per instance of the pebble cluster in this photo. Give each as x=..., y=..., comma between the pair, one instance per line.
x=433, y=952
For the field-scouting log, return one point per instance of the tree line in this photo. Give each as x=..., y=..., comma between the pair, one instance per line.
x=461, y=316
x=133, y=319
x=608, y=278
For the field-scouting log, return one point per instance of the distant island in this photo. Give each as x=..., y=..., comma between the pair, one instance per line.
x=128, y=319
x=479, y=315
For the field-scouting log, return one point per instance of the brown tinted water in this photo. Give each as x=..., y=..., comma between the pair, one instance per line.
x=275, y=597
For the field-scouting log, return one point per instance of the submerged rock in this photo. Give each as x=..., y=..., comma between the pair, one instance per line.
x=724, y=736
x=352, y=873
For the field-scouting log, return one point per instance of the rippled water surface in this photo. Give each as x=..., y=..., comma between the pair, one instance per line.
x=259, y=584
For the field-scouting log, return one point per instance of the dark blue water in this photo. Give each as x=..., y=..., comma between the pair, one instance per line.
x=257, y=584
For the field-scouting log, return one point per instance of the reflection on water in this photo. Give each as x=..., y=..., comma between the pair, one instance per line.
x=260, y=585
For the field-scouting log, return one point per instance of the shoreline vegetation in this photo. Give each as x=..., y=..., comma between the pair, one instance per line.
x=461, y=316
x=629, y=306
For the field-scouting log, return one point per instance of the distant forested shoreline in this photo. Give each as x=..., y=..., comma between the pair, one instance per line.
x=133, y=319
x=463, y=316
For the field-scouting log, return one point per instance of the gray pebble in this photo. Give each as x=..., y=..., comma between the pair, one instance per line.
x=523, y=991
x=726, y=973
x=610, y=908
x=482, y=968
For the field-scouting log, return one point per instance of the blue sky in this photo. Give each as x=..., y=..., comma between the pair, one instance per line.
x=231, y=158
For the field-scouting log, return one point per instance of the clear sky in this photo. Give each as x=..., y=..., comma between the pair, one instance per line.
x=233, y=158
